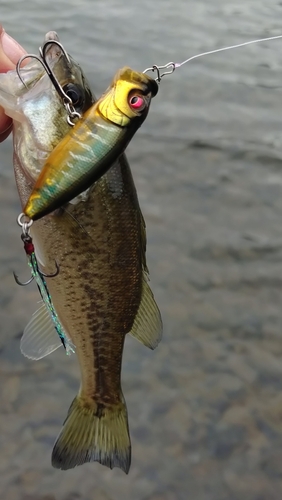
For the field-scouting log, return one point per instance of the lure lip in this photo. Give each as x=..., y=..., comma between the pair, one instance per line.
x=153, y=84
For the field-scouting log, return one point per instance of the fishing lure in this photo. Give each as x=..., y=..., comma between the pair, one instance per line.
x=90, y=148
x=39, y=277
x=100, y=136
x=94, y=143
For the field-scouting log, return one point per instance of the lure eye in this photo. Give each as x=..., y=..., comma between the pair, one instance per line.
x=137, y=102
x=75, y=93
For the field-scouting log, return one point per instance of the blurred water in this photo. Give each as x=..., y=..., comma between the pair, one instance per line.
x=230, y=96
x=205, y=409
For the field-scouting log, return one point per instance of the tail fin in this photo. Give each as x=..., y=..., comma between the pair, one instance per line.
x=91, y=433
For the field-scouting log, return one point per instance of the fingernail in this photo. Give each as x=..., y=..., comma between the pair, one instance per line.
x=11, y=48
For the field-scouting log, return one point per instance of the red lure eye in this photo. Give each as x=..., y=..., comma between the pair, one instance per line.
x=137, y=102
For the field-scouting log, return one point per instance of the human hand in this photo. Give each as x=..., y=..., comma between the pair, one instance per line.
x=10, y=53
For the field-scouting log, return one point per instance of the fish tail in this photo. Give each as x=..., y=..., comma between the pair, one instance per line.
x=93, y=432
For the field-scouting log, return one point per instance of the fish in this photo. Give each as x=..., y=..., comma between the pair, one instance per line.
x=101, y=292
x=96, y=140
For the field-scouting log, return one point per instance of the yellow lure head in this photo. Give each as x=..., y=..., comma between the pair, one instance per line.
x=128, y=98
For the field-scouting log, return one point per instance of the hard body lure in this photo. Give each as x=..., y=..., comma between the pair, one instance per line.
x=93, y=144
x=100, y=136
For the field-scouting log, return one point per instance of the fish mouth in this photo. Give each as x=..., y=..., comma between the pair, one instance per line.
x=67, y=72
x=52, y=51
x=51, y=35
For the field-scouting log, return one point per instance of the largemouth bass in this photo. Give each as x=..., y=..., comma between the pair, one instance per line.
x=101, y=292
x=96, y=140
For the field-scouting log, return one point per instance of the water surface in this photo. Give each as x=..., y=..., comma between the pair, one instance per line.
x=205, y=408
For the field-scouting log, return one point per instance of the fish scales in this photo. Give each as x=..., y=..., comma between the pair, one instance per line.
x=98, y=292
x=103, y=299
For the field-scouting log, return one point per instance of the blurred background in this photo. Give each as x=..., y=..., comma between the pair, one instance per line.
x=205, y=409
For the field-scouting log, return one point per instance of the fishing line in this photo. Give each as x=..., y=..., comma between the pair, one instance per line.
x=25, y=222
x=172, y=66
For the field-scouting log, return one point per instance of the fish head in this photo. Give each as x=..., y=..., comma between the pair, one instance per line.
x=69, y=75
x=127, y=100
x=37, y=108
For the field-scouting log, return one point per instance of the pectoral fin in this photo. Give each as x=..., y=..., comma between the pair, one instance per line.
x=40, y=337
x=147, y=326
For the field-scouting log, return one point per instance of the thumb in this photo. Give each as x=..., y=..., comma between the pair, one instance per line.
x=10, y=51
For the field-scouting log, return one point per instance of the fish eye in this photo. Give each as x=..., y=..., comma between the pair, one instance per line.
x=75, y=93
x=137, y=102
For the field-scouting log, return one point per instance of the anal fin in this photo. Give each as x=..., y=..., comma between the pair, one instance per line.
x=40, y=337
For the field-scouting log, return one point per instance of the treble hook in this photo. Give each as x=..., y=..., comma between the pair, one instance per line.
x=72, y=113
x=58, y=87
x=22, y=283
x=25, y=223
x=52, y=275
x=171, y=66
x=26, y=56
x=41, y=273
